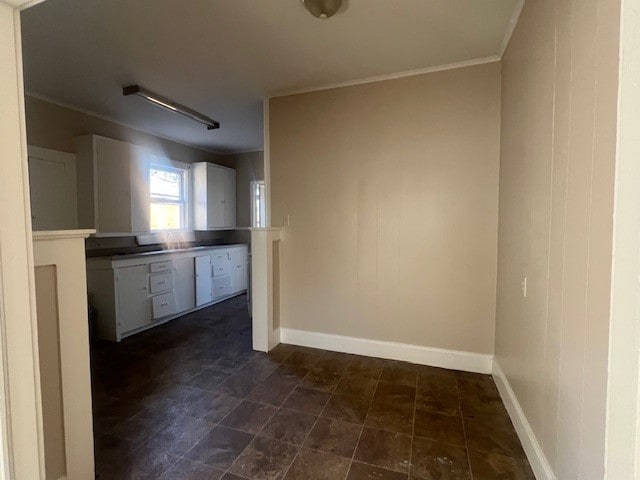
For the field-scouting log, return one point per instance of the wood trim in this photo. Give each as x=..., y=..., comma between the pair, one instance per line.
x=66, y=253
x=435, y=357
x=390, y=76
x=512, y=26
x=537, y=459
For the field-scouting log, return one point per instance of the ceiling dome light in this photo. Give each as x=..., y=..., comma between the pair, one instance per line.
x=322, y=8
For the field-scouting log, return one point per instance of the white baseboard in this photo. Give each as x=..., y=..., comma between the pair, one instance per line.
x=435, y=357
x=532, y=448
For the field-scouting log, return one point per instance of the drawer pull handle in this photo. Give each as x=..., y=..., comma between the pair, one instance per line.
x=164, y=304
x=162, y=282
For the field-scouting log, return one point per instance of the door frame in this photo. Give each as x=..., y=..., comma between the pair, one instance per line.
x=21, y=437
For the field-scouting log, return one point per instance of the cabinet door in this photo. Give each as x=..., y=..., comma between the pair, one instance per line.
x=239, y=267
x=229, y=201
x=203, y=280
x=113, y=164
x=185, y=284
x=134, y=304
x=215, y=196
x=52, y=180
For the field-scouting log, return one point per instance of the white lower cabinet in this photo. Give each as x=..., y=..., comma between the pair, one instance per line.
x=134, y=304
x=203, y=280
x=164, y=305
x=131, y=293
x=185, y=288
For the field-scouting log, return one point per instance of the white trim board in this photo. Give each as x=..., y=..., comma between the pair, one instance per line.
x=512, y=26
x=391, y=76
x=532, y=448
x=434, y=357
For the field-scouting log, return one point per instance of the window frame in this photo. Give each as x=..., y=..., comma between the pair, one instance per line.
x=185, y=200
x=252, y=199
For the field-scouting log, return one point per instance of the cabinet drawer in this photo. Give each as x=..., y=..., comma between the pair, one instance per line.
x=164, y=305
x=221, y=264
x=165, y=266
x=161, y=283
x=221, y=286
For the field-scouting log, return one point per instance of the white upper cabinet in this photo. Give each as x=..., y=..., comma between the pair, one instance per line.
x=113, y=193
x=52, y=181
x=214, y=189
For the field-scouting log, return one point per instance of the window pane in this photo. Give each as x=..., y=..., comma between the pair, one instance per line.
x=166, y=216
x=165, y=183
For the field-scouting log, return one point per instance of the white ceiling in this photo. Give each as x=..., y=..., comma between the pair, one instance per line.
x=221, y=57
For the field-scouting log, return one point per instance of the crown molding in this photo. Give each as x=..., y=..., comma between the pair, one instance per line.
x=391, y=76
x=512, y=26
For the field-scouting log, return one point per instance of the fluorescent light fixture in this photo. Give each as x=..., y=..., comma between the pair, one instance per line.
x=170, y=105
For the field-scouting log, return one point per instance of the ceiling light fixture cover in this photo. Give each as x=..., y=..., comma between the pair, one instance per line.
x=322, y=8
x=170, y=105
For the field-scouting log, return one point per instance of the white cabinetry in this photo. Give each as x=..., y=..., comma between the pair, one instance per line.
x=52, y=182
x=134, y=304
x=239, y=269
x=134, y=292
x=185, y=288
x=112, y=190
x=203, y=280
x=214, y=189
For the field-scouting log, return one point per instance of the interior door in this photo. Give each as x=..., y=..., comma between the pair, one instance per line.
x=203, y=280
x=52, y=180
x=134, y=303
x=185, y=284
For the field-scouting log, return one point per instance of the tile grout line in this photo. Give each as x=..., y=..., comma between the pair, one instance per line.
x=313, y=426
x=464, y=429
x=413, y=425
x=353, y=456
x=228, y=470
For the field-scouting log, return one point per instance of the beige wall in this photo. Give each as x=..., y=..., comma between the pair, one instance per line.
x=249, y=167
x=559, y=83
x=53, y=126
x=391, y=190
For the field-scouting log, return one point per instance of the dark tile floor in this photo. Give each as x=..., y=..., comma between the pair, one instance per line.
x=190, y=400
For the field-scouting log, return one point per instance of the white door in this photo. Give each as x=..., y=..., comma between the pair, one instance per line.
x=52, y=180
x=185, y=284
x=203, y=280
x=229, y=186
x=134, y=304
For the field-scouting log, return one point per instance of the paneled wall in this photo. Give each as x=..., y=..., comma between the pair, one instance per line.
x=559, y=94
x=389, y=196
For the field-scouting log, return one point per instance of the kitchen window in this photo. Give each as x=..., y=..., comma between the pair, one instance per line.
x=258, y=205
x=168, y=198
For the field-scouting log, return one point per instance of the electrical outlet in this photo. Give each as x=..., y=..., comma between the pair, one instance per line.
x=524, y=287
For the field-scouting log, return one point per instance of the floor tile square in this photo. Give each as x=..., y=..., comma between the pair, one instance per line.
x=334, y=436
x=493, y=437
x=362, y=471
x=348, y=409
x=307, y=400
x=440, y=428
x=384, y=449
x=355, y=386
x=493, y=466
x=237, y=386
x=188, y=470
x=181, y=435
x=220, y=447
x=314, y=465
x=289, y=426
x=432, y=460
x=264, y=459
x=249, y=417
